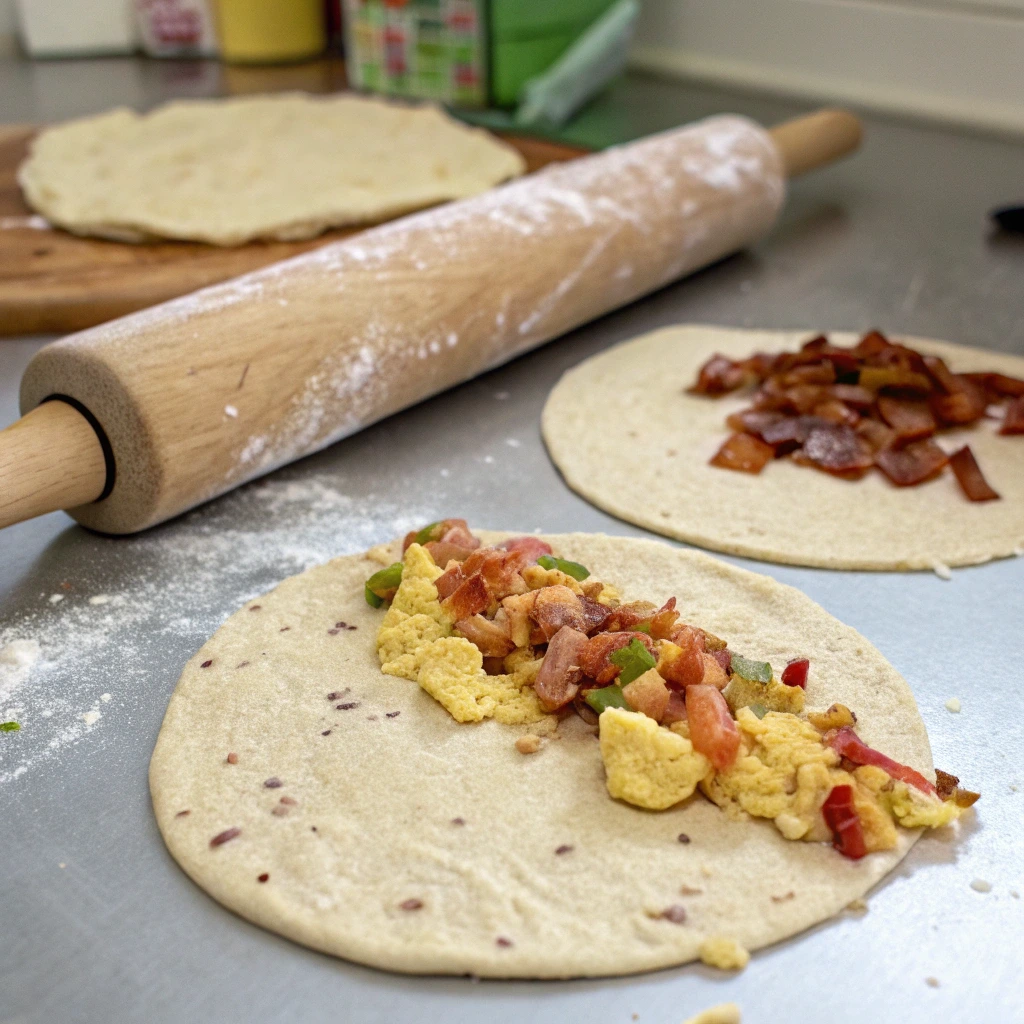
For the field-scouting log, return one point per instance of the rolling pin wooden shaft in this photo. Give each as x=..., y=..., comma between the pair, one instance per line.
x=139, y=419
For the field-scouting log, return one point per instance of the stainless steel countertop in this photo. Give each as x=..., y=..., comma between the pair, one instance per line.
x=96, y=921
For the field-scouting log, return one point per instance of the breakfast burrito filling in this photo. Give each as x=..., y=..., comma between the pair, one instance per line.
x=516, y=633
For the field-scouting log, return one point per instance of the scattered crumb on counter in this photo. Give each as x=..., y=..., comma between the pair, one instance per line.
x=953, y=704
x=100, y=599
x=528, y=744
x=723, y=1013
x=942, y=570
x=858, y=906
x=106, y=698
x=932, y=982
x=56, y=598
x=980, y=885
x=724, y=953
x=230, y=410
x=90, y=717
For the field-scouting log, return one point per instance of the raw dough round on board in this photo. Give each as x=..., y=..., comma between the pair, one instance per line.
x=397, y=802
x=233, y=170
x=647, y=463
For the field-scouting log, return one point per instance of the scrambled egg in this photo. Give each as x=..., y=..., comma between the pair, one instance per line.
x=415, y=642
x=774, y=696
x=645, y=764
x=724, y=953
x=915, y=809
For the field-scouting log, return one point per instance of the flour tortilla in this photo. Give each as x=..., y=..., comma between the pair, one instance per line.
x=382, y=792
x=233, y=170
x=645, y=460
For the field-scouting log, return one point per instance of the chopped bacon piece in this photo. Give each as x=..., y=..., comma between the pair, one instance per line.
x=795, y=673
x=838, y=450
x=595, y=615
x=959, y=400
x=753, y=421
x=557, y=681
x=1013, y=420
x=853, y=395
x=499, y=569
x=628, y=615
x=999, y=384
x=531, y=547
x=791, y=432
x=911, y=419
x=877, y=435
x=453, y=531
x=945, y=784
x=681, y=659
x=914, y=464
x=841, y=817
x=663, y=621
x=596, y=658
x=743, y=453
x=872, y=344
x=448, y=581
x=969, y=476
x=718, y=376
x=834, y=411
x=810, y=373
x=712, y=729
x=848, y=744
x=443, y=551
x=468, y=598
x=492, y=637
x=556, y=607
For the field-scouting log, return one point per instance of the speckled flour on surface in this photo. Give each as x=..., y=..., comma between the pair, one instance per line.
x=83, y=650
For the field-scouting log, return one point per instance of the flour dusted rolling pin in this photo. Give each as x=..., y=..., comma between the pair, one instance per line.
x=139, y=419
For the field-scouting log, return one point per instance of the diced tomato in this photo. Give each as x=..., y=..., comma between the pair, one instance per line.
x=595, y=660
x=848, y=744
x=795, y=673
x=841, y=817
x=712, y=729
x=724, y=658
x=687, y=669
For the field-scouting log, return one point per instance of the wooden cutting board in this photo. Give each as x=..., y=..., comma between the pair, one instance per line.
x=54, y=282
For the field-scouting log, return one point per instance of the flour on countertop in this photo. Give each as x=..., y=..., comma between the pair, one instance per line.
x=69, y=668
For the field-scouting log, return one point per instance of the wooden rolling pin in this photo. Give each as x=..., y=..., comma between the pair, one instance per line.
x=139, y=419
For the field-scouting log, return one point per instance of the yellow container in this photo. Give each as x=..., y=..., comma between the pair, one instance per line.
x=270, y=31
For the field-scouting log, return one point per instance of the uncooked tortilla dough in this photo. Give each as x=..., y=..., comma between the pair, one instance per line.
x=414, y=806
x=233, y=170
x=647, y=462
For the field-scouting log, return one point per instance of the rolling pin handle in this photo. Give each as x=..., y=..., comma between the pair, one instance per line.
x=814, y=140
x=54, y=457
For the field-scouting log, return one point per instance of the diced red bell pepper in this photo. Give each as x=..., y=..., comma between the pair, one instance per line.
x=712, y=729
x=841, y=817
x=847, y=743
x=795, y=673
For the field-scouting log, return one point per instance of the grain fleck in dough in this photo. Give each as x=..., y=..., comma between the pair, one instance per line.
x=376, y=793
x=648, y=464
x=230, y=171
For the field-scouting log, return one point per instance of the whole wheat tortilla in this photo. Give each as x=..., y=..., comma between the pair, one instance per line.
x=231, y=170
x=380, y=795
x=645, y=459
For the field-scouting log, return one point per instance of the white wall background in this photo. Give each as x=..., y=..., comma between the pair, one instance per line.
x=955, y=60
